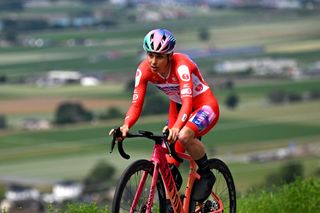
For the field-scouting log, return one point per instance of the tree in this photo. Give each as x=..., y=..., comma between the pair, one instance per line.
x=277, y=97
x=3, y=122
x=204, y=34
x=287, y=174
x=11, y=5
x=155, y=104
x=130, y=85
x=112, y=112
x=294, y=97
x=100, y=177
x=69, y=112
x=232, y=101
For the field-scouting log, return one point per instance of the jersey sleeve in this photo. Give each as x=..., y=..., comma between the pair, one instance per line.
x=185, y=81
x=139, y=92
x=173, y=114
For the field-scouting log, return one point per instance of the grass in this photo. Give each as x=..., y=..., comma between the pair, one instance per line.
x=299, y=196
x=105, y=91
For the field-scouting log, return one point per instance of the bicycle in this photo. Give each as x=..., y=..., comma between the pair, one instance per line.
x=145, y=185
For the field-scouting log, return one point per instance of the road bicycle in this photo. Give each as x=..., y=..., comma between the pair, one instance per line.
x=146, y=185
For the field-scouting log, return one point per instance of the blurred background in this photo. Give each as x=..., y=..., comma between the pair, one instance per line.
x=67, y=74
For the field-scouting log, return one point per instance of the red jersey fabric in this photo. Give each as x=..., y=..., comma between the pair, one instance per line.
x=184, y=85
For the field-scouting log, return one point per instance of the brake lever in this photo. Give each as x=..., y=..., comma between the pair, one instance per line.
x=113, y=143
x=115, y=134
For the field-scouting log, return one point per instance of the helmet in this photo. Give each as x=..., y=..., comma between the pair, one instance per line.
x=159, y=41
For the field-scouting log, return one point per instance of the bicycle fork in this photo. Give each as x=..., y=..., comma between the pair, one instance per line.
x=149, y=203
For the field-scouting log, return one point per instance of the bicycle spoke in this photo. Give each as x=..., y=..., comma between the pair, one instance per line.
x=127, y=191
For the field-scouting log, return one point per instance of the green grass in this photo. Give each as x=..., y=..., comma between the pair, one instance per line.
x=299, y=196
x=104, y=91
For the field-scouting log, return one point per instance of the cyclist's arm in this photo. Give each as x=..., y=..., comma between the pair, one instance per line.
x=173, y=114
x=184, y=76
x=135, y=109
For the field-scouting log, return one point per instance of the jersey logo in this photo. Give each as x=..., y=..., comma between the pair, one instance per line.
x=184, y=73
x=135, y=97
x=199, y=88
x=184, y=117
x=138, y=77
x=203, y=117
x=186, y=91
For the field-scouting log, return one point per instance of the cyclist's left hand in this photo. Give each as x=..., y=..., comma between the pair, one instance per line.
x=173, y=135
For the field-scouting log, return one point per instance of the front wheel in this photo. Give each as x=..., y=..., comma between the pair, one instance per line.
x=129, y=184
x=223, y=196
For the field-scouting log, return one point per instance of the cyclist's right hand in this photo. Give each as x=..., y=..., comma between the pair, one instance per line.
x=124, y=129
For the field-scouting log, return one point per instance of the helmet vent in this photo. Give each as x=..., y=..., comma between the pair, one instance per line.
x=146, y=45
x=159, y=47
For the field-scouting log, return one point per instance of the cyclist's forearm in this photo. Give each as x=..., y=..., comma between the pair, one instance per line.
x=184, y=113
x=132, y=115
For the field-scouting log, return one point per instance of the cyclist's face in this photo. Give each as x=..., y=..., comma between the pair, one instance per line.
x=158, y=62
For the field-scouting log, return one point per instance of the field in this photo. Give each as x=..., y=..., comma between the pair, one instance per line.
x=280, y=33
x=255, y=126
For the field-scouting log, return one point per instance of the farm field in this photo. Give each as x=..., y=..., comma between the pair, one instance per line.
x=281, y=34
x=255, y=126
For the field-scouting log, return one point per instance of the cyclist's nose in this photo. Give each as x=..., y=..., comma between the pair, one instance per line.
x=153, y=61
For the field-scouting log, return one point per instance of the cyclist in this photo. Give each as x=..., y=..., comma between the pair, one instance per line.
x=193, y=109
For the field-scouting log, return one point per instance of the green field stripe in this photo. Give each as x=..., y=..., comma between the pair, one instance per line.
x=305, y=113
x=104, y=91
x=253, y=132
x=298, y=46
x=15, y=58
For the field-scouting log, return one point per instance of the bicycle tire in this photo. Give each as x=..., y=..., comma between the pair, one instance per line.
x=224, y=188
x=127, y=187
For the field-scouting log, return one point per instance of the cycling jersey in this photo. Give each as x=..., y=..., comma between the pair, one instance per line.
x=184, y=85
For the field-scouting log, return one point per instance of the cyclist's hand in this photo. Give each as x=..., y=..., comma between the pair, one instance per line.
x=124, y=129
x=173, y=135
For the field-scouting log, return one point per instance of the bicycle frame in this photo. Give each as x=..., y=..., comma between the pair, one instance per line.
x=159, y=160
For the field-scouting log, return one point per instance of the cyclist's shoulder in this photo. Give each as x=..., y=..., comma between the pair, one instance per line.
x=177, y=56
x=182, y=60
x=144, y=67
x=144, y=70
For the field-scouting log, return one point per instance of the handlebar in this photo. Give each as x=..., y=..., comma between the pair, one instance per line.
x=158, y=139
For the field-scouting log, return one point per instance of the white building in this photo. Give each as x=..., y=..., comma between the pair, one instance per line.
x=67, y=190
x=260, y=67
